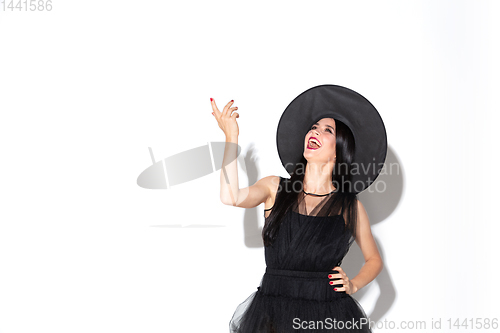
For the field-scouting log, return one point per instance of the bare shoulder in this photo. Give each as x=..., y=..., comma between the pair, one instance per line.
x=362, y=220
x=363, y=228
x=362, y=214
x=272, y=182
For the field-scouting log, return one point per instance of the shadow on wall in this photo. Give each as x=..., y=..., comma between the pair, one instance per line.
x=380, y=200
x=379, y=204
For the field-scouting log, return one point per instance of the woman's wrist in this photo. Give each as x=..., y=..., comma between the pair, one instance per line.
x=354, y=287
x=232, y=138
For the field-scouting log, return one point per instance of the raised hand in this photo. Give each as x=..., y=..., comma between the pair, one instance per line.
x=226, y=120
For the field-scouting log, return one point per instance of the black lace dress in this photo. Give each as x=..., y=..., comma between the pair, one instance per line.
x=294, y=294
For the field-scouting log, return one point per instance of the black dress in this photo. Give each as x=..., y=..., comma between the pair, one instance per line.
x=294, y=294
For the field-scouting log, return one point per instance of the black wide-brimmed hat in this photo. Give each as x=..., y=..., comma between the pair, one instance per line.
x=346, y=105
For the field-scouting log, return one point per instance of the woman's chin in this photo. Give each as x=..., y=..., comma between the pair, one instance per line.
x=310, y=154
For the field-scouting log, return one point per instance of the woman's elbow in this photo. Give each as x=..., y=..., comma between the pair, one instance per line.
x=380, y=264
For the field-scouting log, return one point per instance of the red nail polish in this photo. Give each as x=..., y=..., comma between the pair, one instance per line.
x=330, y=276
x=211, y=99
x=331, y=282
x=335, y=289
x=232, y=101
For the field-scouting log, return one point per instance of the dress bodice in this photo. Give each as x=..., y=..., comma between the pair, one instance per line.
x=314, y=241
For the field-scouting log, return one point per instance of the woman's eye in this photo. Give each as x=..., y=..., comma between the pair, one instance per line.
x=329, y=130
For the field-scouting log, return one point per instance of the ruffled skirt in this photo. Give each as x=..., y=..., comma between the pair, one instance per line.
x=298, y=301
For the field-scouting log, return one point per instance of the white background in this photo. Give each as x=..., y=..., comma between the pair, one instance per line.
x=86, y=88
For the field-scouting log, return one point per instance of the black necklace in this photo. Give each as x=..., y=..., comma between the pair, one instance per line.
x=318, y=195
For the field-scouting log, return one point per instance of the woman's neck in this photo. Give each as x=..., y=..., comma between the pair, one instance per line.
x=318, y=182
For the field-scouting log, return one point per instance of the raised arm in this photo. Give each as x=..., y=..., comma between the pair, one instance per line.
x=230, y=193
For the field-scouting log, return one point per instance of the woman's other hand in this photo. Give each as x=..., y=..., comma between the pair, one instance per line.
x=226, y=121
x=343, y=279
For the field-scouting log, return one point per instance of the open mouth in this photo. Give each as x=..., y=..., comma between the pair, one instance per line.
x=313, y=143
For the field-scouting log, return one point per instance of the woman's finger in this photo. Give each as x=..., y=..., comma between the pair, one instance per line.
x=226, y=108
x=335, y=276
x=214, y=106
x=216, y=111
x=338, y=268
x=336, y=279
x=343, y=288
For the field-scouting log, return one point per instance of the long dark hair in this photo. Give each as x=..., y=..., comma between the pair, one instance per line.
x=344, y=200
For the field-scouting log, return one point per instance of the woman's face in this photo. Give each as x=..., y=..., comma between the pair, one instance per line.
x=324, y=131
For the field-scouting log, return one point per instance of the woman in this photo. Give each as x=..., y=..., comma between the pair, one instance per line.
x=311, y=218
